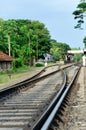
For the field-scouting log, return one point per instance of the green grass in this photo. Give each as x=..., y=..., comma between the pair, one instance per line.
x=9, y=76
x=15, y=74
x=21, y=69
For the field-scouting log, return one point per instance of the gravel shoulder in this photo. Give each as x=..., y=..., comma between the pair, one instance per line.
x=78, y=111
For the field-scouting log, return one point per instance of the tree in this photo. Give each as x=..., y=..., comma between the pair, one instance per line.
x=84, y=41
x=55, y=50
x=28, y=40
x=9, y=30
x=80, y=13
x=40, y=38
x=59, y=49
x=77, y=57
x=3, y=44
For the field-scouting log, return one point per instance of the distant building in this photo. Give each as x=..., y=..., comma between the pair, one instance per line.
x=5, y=62
x=46, y=58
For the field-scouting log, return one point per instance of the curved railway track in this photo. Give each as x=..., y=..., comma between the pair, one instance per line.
x=51, y=119
x=22, y=104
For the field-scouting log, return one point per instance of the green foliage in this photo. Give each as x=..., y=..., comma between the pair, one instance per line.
x=21, y=69
x=79, y=14
x=17, y=63
x=28, y=39
x=39, y=64
x=82, y=6
x=77, y=57
x=84, y=41
x=59, y=49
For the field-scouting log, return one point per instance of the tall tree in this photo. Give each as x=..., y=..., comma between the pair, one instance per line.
x=23, y=36
x=3, y=44
x=80, y=13
x=41, y=38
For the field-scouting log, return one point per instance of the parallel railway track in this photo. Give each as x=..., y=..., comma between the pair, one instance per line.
x=22, y=104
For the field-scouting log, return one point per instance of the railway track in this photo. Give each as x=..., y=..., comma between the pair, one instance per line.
x=77, y=118
x=53, y=116
x=22, y=104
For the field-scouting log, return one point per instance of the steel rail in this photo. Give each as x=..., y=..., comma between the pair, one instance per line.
x=25, y=83
x=40, y=122
x=43, y=124
x=55, y=110
x=35, y=78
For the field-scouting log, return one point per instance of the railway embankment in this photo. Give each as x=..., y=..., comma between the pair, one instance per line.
x=77, y=118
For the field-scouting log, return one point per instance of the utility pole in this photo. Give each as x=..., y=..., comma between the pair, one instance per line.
x=9, y=44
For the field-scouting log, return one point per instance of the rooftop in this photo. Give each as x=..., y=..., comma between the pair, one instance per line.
x=5, y=57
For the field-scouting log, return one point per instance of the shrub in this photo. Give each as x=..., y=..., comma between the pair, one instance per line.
x=39, y=64
x=17, y=63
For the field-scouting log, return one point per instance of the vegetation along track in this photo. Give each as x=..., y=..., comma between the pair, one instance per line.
x=22, y=104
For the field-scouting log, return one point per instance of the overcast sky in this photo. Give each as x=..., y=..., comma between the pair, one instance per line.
x=55, y=14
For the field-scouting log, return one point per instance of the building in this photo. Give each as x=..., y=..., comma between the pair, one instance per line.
x=46, y=58
x=5, y=62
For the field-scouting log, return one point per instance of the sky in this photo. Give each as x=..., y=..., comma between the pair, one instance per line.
x=55, y=14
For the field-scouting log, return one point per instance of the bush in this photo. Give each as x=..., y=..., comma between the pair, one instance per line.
x=17, y=63
x=39, y=64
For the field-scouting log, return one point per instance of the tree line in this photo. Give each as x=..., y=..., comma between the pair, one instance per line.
x=27, y=40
